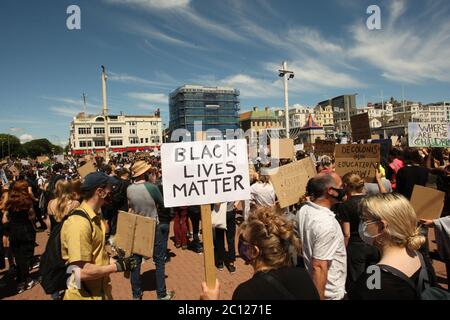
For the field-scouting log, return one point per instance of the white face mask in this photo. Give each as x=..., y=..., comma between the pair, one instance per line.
x=364, y=235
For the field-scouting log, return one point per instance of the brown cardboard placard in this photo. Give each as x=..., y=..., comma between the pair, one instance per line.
x=290, y=181
x=375, y=137
x=282, y=148
x=361, y=159
x=88, y=168
x=13, y=169
x=428, y=203
x=324, y=147
x=360, y=127
x=42, y=159
x=135, y=234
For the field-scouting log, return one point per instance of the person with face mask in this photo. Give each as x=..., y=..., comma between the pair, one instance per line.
x=359, y=254
x=268, y=242
x=324, y=250
x=83, y=244
x=390, y=224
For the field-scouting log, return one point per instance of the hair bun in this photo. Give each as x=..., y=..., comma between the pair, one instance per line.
x=416, y=241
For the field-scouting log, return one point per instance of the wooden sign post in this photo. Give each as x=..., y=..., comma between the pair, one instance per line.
x=208, y=247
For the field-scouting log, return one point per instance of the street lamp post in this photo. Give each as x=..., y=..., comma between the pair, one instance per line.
x=287, y=75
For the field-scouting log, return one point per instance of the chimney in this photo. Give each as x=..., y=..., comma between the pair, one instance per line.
x=105, y=105
x=255, y=109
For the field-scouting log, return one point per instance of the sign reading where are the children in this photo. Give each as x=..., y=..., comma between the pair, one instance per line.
x=429, y=134
x=204, y=172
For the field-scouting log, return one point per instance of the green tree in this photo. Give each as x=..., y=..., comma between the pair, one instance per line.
x=9, y=143
x=40, y=147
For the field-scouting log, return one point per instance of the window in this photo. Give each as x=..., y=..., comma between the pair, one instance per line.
x=133, y=123
x=99, y=143
x=116, y=142
x=84, y=130
x=134, y=141
x=132, y=131
x=99, y=130
x=142, y=140
x=85, y=144
x=146, y=140
x=115, y=130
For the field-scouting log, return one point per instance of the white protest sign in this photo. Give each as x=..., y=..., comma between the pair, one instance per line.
x=204, y=172
x=429, y=134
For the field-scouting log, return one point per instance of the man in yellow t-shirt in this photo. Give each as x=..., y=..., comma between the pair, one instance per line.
x=83, y=245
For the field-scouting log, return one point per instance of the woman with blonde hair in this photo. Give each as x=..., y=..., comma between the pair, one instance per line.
x=67, y=199
x=268, y=243
x=390, y=224
x=262, y=193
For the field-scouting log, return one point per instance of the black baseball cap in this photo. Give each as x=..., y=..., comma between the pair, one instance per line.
x=95, y=180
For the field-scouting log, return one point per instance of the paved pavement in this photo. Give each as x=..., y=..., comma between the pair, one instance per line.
x=184, y=275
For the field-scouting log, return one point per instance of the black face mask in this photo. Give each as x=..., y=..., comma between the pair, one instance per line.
x=341, y=194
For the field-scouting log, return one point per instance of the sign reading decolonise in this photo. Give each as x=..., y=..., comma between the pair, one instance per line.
x=361, y=159
x=427, y=134
x=204, y=172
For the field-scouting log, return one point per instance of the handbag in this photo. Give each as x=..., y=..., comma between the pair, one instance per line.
x=219, y=216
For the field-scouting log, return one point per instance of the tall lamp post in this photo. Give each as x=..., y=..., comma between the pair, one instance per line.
x=287, y=75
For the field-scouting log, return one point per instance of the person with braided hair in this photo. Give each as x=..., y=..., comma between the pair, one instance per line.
x=389, y=223
x=268, y=242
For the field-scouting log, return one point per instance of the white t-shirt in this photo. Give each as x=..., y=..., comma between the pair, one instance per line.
x=322, y=239
x=262, y=194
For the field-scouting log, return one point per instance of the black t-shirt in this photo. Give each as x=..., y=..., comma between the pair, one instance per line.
x=350, y=211
x=391, y=288
x=295, y=280
x=409, y=176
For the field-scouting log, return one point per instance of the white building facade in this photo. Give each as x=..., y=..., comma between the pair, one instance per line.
x=115, y=133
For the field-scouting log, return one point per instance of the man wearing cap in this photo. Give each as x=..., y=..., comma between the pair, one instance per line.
x=145, y=199
x=83, y=245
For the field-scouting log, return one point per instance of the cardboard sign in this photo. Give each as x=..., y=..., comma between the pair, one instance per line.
x=429, y=134
x=299, y=147
x=324, y=147
x=290, y=181
x=42, y=159
x=15, y=172
x=361, y=159
x=360, y=127
x=204, y=172
x=60, y=159
x=394, y=140
x=89, y=167
x=428, y=203
x=282, y=148
x=25, y=162
x=135, y=234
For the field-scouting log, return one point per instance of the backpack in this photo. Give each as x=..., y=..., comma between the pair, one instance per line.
x=53, y=267
x=423, y=289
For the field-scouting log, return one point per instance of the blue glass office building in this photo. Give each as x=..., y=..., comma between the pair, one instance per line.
x=216, y=107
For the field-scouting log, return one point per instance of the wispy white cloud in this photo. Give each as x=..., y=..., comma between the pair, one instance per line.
x=251, y=87
x=155, y=98
x=13, y=121
x=65, y=111
x=152, y=4
x=26, y=138
x=72, y=102
x=405, y=51
x=165, y=80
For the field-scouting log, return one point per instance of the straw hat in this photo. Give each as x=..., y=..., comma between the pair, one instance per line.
x=139, y=168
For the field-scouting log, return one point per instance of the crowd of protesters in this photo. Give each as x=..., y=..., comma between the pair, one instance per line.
x=319, y=249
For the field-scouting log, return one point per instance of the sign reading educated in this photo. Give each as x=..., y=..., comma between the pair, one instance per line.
x=428, y=134
x=290, y=181
x=360, y=127
x=204, y=172
x=361, y=159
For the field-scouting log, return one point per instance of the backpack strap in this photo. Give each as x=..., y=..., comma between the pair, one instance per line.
x=278, y=285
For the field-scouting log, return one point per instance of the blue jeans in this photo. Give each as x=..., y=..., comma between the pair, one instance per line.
x=159, y=256
x=136, y=285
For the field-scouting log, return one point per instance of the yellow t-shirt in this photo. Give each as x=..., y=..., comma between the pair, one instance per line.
x=84, y=241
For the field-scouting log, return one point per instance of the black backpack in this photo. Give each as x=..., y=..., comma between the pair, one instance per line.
x=53, y=268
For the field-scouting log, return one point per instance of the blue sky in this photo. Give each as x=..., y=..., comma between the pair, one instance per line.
x=151, y=47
